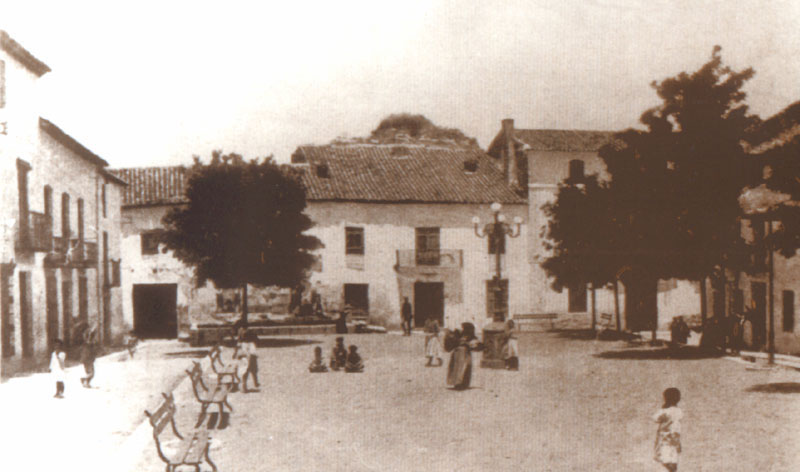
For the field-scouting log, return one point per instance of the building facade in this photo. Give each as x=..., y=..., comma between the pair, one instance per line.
x=538, y=160
x=60, y=232
x=397, y=222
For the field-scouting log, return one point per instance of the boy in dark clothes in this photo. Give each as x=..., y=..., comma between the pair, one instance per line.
x=354, y=363
x=318, y=364
x=339, y=354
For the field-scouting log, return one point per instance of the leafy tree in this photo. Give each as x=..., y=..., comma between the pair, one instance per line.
x=672, y=206
x=417, y=127
x=243, y=224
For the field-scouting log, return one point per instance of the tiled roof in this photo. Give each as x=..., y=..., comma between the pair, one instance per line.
x=402, y=173
x=571, y=140
x=153, y=185
x=21, y=54
x=70, y=143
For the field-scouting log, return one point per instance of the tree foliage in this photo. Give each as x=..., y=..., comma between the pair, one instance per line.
x=417, y=127
x=243, y=224
x=670, y=208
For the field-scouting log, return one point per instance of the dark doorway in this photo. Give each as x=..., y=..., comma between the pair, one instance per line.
x=26, y=313
x=155, y=312
x=357, y=296
x=428, y=302
x=758, y=317
x=51, y=302
x=7, y=308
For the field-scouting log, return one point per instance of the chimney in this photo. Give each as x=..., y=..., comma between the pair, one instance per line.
x=509, y=155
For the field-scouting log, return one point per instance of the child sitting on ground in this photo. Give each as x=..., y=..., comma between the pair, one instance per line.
x=318, y=364
x=354, y=363
x=339, y=354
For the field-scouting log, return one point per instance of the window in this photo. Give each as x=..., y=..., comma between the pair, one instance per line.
x=24, y=211
x=737, y=304
x=497, y=299
x=496, y=242
x=116, y=272
x=150, y=240
x=577, y=298
x=354, y=240
x=80, y=220
x=788, y=311
x=103, y=192
x=65, y=229
x=758, y=258
x=576, y=170
x=427, y=246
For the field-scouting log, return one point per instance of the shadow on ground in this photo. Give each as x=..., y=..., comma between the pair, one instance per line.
x=190, y=354
x=284, y=342
x=777, y=387
x=580, y=334
x=684, y=353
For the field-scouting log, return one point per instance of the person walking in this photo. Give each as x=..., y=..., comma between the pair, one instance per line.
x=459, y=370
x=407, y=315
x=668, y=436
x=88, y=356
x=58, y=367
x=248, y=351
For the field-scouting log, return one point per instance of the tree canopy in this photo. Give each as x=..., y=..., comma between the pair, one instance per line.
x=670, y=207
x=417, y=127
x=243, y=224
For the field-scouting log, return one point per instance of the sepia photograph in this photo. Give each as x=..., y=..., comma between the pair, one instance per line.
x=367, y=236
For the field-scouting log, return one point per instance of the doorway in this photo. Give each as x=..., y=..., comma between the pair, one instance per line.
x=155, y=312
x=357, y=296
x=428, y=302
x=759, y=314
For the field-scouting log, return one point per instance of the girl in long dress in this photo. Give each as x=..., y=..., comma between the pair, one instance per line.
x=668, y=437
x=58, y=370
x=433, y=347
x=459, y=371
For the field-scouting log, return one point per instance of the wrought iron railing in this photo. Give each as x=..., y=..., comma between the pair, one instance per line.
x=448, y=258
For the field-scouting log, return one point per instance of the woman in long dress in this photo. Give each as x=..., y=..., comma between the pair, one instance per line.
x=459, y=371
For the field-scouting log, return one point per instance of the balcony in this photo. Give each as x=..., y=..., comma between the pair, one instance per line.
x=39, y=237
x=69, y=252
x=446, y=258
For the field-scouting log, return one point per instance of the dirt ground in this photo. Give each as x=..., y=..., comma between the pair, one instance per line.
x=575, y=405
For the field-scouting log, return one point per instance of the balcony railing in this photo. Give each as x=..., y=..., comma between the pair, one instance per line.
x=448, y=258
x=39, y=237
x=70, y=251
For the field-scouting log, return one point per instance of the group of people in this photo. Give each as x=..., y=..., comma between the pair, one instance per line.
x=58, y=362
x=341, y=359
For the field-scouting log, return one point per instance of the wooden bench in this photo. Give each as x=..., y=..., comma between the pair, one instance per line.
x=606, y=320
x=226, y=373
x=192, y=449
x=207, y=395
x=522, y=317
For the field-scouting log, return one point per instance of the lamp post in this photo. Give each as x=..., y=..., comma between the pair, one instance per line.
x=496, y=230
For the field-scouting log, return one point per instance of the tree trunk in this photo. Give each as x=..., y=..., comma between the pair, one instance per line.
x=616, y=304
x=641, y=302
x=594, y=310
x=703, y=304
x=244, y=305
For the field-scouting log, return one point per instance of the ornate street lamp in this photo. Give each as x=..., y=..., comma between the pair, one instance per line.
x=496, y=231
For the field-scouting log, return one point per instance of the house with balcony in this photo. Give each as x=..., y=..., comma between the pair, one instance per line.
x=60, y=231
x=536, y=161
x=397, y=222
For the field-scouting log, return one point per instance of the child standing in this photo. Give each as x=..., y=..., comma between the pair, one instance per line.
x=318, y=364
x=88, y=356
x=249, y=355
x=433, y=347
x=58, y=362
x=339, y=354
x=668, y=437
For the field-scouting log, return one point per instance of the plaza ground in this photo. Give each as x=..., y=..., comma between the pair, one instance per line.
x=576, y=404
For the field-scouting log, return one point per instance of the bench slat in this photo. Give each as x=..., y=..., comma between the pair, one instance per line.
x=196, y=447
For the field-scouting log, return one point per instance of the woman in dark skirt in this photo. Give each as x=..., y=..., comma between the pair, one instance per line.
x=459, y=371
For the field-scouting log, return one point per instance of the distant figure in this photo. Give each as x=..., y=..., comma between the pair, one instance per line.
x=407, y=315
x=510, y=347
x=338, y=355
x=713, y=337
x=459, y=371
x=316, y=302
x=341, y=322
x=353, y=363
x=679, y=331
x=88, y=356
x=433, y=347
x=250, y=355
x=296, y=299
x=668, y=436
x=58, y=366
x=318, y=364
x=131, y=341
x=737, y=333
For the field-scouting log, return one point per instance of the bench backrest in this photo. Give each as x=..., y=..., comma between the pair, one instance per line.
x=196, y=374
x=159, y=419
x=606, y=318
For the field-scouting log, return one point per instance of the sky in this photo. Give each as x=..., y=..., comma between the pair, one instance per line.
x=152, y=83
